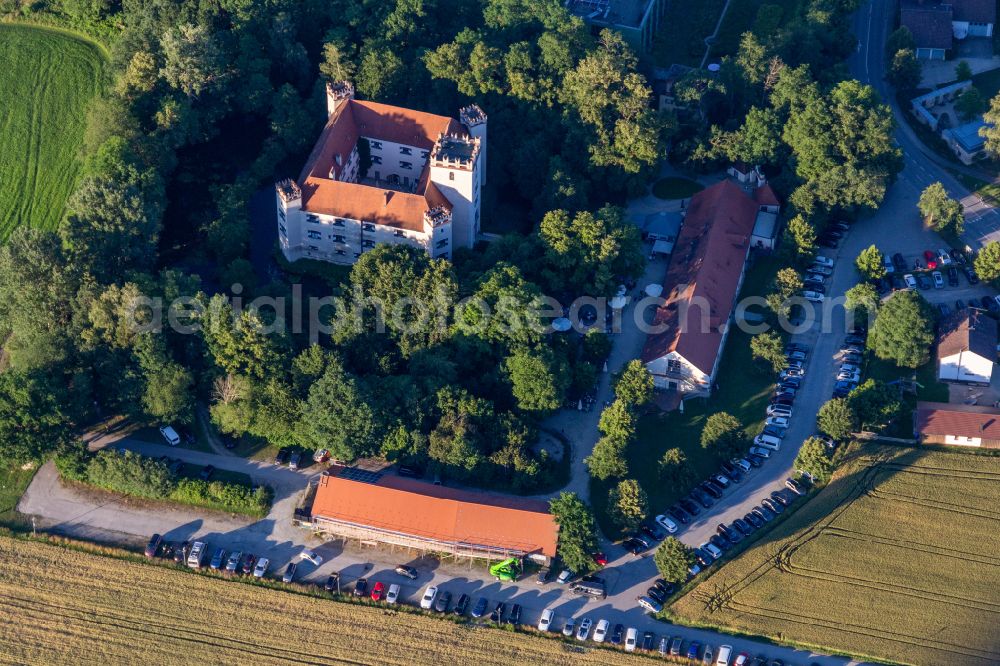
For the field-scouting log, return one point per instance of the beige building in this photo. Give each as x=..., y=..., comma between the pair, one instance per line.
x=384, y=174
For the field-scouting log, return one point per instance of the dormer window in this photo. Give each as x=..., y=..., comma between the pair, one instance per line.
x=403, y=150
x=368, y=226
x=405, y=165
x=375, y=145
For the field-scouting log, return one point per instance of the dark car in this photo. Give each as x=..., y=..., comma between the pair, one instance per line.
x=756, y=521
x=957, y=256
x=765, y=514
x=924, y=282
x=289, y=574
x=897, y=282
x=206, y=472
x=647, y=640
x=248, y=563
x=181, y=551
x=294, y=460
x=332, y=583
x=544, y=576
x=714, y=483
x=755, y=460
x=795, y=486
x=703, y=558
x=282, y=457
x=689, y=506
x=633, y=546
x=407, y=570
x=734, y=535
x=732, y=471
x=774, y=431
x=498, y=612
x=652, y=532
x=360, y=587
x=678, y=514
x=218, y=559
x=952, y=276
x=616, y=635
x=515, y=615
x=720, y=542
x=833, y=232
x=711, y=490
x=153, y=546
x=827, y=241
x=442, y=602
x=656, y=594
x=780, y=498
x=772, y=505
x=675, y=646
x=665, y=586
x=693, y=650
x=970, y=274
x=461, y=606
x=480, y=608
x=700, y=497
x=743, y=526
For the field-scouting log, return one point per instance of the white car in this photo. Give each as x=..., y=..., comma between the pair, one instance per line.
x=944, y=258
x=780, y=421
x=707, y=658
x=631, y=638
x=911, y=282
x=583, y=631
x=854, y=377
x=791, y=372
x=565, y=576
x=667, y=524
x=813, y=296
x=849, y=367
x=767, y=442
x=796, y=356
x=427, y=600
x=545, y=622
x=169, y=434
x=722, y=658
x=567, y=629
x=601, y=631
x=938, y=280
x=760, y=451
x=311, y=556
x=711, y=549
x=392, y=596
x=779, y=410
x=823, y=261
x=261, y=568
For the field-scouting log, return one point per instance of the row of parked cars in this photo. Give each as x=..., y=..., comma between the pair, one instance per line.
x=814, y=280
x=850, y=357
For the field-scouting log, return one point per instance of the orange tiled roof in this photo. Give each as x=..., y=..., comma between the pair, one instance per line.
x=942, y=419
x=707, y=261
x=765, y=196
x=438, y=513
x=354, y=119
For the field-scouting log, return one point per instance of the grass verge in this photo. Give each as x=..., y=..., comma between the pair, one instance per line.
x=912, y=532
x=14, y=480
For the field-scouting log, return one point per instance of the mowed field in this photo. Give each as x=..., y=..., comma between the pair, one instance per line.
x=897, y=559
x=47, y=79
x=60, y=606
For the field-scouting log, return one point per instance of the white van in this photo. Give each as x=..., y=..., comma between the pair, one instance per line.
x=767, y=441
x=722, y=658
x=631, y=637
x=169, y=434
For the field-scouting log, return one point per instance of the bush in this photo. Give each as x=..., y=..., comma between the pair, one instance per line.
x=130, y=473
x=71, y=462
x=222, y=496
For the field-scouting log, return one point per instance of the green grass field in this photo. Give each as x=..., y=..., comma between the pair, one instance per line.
x=895, y=560
x=13, y=482
x=47, y=79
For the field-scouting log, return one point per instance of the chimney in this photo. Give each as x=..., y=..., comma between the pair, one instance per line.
x=388, y=195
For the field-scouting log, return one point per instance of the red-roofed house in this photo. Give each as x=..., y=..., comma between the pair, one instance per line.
x=703, y=279
x=414, y=514
x=958, y=425
x=421, y=186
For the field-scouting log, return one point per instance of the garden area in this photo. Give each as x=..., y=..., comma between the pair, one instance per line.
x=681, y=40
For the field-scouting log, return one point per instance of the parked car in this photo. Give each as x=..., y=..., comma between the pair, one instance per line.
x=774, y=431
x=600, y=559
x=772, y=505
x=583, y=630
x=428, y=599
x=601, y=631
x=461, y=606
x=247, y=564
x=392, y=596
x=153, y=546
x=569, y=627
x=767, y=442
x=823, y=261
x=545, y=621
x=294, y=460
x=565, y=576
x=711, y=490
x=911, y=282
x=233, y=563
x=754, y=460
x=631, y=639
x=360, y=587
x=281, y=457
x=260, y=569
x=952, y=276
x=649, y=604
x=971, y=276
x=813, y=296
x=899, y=262
x=679, y=514
x=217, y=559
x=480, y=608
x=795, y=486
x=657, y=535
x=443, y=602
x=760, y=452
x=311, y=556
x=711, y=549
x=407, y=571
x=332, y=583
x=827, y=242
x=667, y=524
x=938, y=280
x=924, y=281
x=378, y=591
x=648, y=638
x=779, y=498
x=944, y=258
x=170, y=435
x=756, y=521
x=617, y=634
x=931, y=260
x=498, y=612
x=289, y=574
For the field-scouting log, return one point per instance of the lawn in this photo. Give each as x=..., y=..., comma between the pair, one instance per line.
x=929, y=389
x=66, y=605
x=676, y=188
x=894, y=560
x=743, y=392
x=13, y=482
x=681, y=39
x=47, y=79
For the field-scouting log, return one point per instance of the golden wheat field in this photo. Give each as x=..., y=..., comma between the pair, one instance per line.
x=897, y=559
x=60, y=606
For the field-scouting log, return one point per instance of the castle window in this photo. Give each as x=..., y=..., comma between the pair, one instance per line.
x=674, y=366
x=368, y=243
x=376, y=159
x=368, y=226
x=403, y=150
x=338, y=239
x=423, y=154
x=441, y=243
x=376, y=145
x=312, y=219
x=337, y=222
x=282, y=229
x=451, y=175
x=399, y=234
x=315, y=235
x=340, y=253
x=405, y=165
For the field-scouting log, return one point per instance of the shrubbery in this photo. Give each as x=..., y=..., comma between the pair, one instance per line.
x=133, y=474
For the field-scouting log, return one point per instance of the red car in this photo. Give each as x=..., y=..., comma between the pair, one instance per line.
x=601, y=559
x=378, y=592
x=932, y=260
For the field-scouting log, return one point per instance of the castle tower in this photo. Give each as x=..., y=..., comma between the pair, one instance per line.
x=337, y=93
x=456, y=166
x=288, y=198
x=474, y=119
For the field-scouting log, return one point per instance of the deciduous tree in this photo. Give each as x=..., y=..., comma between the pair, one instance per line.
x=628, y=504
x=577, y=531
x=814, y=459
x=903, y=331
x=673, y=559
x=837, y=419
x=723, y=433
x=987, y=262
x=940, y=211
x=768, y=347
x=870, y=263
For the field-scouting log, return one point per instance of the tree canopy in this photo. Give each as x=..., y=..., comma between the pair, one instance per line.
x=903, y=331
x=577, y=531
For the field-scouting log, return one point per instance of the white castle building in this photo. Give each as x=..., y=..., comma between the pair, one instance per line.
x=421, y=188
